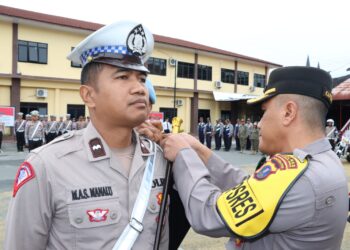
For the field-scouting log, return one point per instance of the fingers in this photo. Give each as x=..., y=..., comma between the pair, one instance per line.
x=172, y=144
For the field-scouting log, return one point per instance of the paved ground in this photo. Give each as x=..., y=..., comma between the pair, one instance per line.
x=10, y=160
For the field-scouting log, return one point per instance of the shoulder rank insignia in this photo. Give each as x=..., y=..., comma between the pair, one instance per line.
x=249, y=208
x=24, y=174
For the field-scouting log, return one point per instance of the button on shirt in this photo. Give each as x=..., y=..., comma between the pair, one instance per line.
x=80, y=199
x=312, y=215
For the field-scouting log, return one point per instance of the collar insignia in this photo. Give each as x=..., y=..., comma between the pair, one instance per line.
x=96, y=148
x=136, y=41
x=97, y=215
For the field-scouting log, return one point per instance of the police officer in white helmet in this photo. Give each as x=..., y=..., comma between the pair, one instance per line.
x=331, y=132
x=101, y=187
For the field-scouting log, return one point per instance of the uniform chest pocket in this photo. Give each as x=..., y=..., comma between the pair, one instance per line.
x=89, y=214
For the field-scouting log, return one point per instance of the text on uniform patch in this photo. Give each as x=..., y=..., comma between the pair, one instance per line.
x=94, y=192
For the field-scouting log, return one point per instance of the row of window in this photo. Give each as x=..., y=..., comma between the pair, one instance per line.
x=35, y=52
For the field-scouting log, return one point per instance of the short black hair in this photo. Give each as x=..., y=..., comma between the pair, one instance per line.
x=90, y=72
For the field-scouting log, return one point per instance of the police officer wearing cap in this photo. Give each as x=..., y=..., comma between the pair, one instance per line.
x=34, y=134
x=61, y=126
x=331, y=132
x=100, y=187
x=296, y=199
x=67, y=124
x=51, y=128
x=18, y=128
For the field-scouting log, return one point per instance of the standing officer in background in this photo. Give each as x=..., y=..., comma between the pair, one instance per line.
x=167, y=126
x=219, y=129
x=18, y=131
x=100, y=187
x=51, y=128
x=331, y=132
x=201, y=128
x=67, y=124
x=208, y=132
x=28, y=117
x=228, y=132
x=61, y=126
x=297, y=199
x=34, y=132
x=254, y=138
x=236, y=127
x=243, y=135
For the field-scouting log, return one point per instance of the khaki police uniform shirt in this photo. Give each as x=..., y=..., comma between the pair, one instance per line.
x=31, y=128
x=52, y=127
x=20, y=125
x=312, y=215
x=81, y=197
x=67, y=126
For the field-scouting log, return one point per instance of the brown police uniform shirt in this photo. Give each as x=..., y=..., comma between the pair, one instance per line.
x=74, y=194
x=312, y=215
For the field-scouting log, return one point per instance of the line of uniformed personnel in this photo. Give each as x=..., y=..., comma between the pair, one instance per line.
x=246, y=134
x=36, y=130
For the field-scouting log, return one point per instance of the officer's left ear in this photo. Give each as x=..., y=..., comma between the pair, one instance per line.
x=87, y=95
x=290, y=111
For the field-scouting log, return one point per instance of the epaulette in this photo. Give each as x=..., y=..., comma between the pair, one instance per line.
x=61, y=138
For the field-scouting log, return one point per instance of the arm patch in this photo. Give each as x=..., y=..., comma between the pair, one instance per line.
x=249, y=208
x=24, y=174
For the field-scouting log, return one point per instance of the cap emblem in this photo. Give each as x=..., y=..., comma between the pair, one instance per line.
x=136, y=41
x=328, y=96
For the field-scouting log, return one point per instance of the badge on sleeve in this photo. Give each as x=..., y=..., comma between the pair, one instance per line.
x=24, y=174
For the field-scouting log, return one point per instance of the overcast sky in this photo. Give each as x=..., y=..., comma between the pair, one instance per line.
x=279, y=31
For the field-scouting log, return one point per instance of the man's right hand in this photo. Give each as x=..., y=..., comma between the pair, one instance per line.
x=172, y=144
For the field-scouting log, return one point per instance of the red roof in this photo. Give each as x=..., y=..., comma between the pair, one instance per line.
x=342, y=91
x=73, y=23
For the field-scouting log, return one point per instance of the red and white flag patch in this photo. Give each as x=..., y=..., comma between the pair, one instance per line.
x=97, y=215
x=24, y=174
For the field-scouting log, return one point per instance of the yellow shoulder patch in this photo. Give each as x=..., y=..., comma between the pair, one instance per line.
x=249, y=208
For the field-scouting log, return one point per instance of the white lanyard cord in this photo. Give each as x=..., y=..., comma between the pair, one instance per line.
x=135, y=227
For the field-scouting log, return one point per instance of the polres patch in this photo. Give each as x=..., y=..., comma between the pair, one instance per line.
x=24, y=174
x=263, y=172
x=97, y=215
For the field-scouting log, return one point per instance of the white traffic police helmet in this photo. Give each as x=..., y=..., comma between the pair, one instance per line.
x=330, y=121
x=122, y=44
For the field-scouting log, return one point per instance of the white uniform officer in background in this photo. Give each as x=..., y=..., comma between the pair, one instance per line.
x=18, y=131
x=100, y=187
x=331, y=132
x=67, y=124
x=297, y=199
x=51, y=128
x=34, y=134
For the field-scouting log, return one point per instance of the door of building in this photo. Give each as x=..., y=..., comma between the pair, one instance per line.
x=205, y=113
x=168, y=113
x=27, y=107
x=75, y=110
